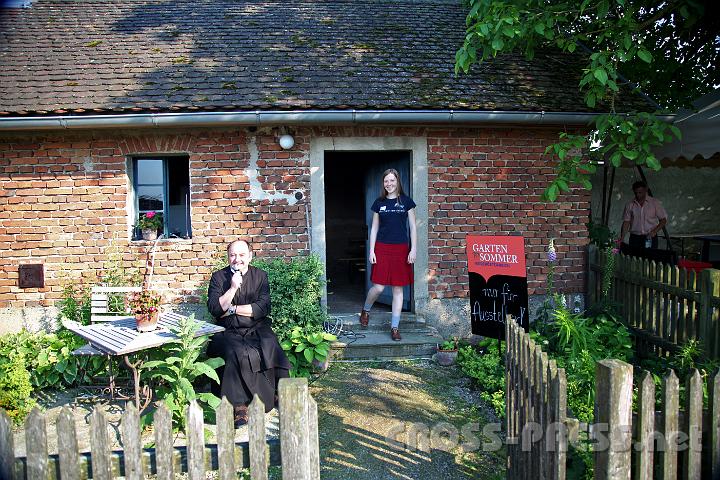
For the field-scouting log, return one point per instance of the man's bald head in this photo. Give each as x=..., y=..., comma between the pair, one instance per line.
x=239, y=255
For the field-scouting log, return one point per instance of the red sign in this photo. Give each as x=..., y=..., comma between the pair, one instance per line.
x=498, y=285
x=494, y=255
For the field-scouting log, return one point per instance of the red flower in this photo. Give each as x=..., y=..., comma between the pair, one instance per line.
x=150, y=214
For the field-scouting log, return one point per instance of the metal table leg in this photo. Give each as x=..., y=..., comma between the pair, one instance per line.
x=146, y=390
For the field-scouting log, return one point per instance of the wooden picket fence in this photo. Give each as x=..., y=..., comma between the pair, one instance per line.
x=657, y=441
x=296, y=450
x=663, y=305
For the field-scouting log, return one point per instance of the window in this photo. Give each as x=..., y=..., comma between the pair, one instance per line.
x=163, y=185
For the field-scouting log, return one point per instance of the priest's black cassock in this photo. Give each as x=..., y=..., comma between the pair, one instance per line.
x=254, y=360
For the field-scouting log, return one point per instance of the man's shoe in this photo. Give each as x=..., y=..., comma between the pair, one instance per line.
x=364, y=318
x=395, y=334
x=240, y=416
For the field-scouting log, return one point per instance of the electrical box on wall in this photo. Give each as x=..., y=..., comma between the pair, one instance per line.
x=31, y=276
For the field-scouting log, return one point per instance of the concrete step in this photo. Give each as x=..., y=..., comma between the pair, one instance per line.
x=379, y=322
x=376, y=345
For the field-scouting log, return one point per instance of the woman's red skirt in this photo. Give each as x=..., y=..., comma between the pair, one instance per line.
x=391, y=267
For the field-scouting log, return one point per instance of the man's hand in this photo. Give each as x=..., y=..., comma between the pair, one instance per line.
x=236, y=280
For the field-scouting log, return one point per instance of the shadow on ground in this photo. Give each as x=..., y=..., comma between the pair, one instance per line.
x=404, y=420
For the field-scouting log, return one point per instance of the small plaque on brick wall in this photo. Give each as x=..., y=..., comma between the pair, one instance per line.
x=31, y=276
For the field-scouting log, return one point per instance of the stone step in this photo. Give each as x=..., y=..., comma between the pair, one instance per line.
x=373, y=345
x=379, y=322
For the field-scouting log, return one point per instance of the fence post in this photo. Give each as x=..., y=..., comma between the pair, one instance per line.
x=36, y=445
x=715, y=426
x=613, y=415
x=68, y=445
x=709, y=331
x=7, y=447
x=295, y=442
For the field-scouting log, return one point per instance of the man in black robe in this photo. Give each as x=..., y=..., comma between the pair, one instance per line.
x=239, y=299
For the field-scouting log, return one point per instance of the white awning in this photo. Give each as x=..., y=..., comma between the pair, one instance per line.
x=700, y=130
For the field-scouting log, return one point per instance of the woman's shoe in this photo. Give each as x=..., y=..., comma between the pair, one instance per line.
x=395, y=334
x=364, y=318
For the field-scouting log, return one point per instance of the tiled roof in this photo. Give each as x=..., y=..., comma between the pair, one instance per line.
x=130, y=56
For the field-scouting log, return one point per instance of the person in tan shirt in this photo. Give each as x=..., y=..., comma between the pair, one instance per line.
x=643, y=218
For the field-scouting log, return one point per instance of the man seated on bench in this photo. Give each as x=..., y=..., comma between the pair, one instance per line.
x=239, y=299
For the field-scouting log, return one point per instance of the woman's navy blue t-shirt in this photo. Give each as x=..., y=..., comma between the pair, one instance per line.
x=393, y=218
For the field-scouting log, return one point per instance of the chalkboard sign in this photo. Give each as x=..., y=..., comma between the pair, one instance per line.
x=498, y=283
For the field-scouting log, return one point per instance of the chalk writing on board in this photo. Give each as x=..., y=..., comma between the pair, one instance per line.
x=502, y=301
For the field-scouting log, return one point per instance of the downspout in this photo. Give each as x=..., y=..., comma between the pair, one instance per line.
x=299, y=117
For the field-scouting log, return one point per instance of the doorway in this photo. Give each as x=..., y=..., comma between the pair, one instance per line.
x=352, y=183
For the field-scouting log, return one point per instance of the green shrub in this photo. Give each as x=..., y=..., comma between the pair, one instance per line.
x=486, y=368
x=75, y=303
x=15, y=387
x=174, y=368
x=295, y=292
x=49, y=360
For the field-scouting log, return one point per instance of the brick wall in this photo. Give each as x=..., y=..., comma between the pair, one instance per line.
x=63, y=203
x=489, y=181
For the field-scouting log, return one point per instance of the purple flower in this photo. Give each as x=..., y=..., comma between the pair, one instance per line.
x=551, y=254
x=615, y=251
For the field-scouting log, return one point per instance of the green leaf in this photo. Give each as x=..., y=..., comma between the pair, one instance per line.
x=601, y=75
x=644, y=55
x=540, y=28
x=676, y=131
x=215, y=362
x=210, y=399
x=590, y=100
x=206, y=370
x=571, y=47
x=603, y=8
x=498, y=44
x=552, y=192
x=653, y=162
x=186, y=388
x=309, y=354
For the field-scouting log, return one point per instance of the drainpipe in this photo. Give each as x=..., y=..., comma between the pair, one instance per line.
x=298, y=117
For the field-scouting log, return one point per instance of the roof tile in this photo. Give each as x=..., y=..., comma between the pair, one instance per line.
x=100, y=55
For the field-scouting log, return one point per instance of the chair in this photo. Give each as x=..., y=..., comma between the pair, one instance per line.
x=107, y=304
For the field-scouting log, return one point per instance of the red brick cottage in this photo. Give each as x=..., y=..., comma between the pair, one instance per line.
x=110, y=109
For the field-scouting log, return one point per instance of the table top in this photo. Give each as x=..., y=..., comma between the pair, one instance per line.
x=709, y=238
x=119, y=337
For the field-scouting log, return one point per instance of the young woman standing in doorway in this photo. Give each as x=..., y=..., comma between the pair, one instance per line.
x=390, y=254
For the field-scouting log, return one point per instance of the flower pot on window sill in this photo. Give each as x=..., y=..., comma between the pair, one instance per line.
x=149, y=234
x=146, y=322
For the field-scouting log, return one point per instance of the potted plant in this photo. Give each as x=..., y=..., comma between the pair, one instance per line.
x=146, y=307
x=447, y=352
x=149, y=223
x=308, y=351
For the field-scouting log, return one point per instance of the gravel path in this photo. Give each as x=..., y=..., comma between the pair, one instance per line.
x=366, y=410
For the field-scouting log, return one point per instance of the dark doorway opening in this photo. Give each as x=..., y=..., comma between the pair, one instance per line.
x=352, y=183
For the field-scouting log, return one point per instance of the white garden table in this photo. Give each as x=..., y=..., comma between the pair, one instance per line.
x=120, y=338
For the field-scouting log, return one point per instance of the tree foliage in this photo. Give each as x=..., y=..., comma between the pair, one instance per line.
x=668, y=50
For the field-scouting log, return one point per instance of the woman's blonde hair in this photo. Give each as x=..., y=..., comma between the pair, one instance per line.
x=383, y=192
